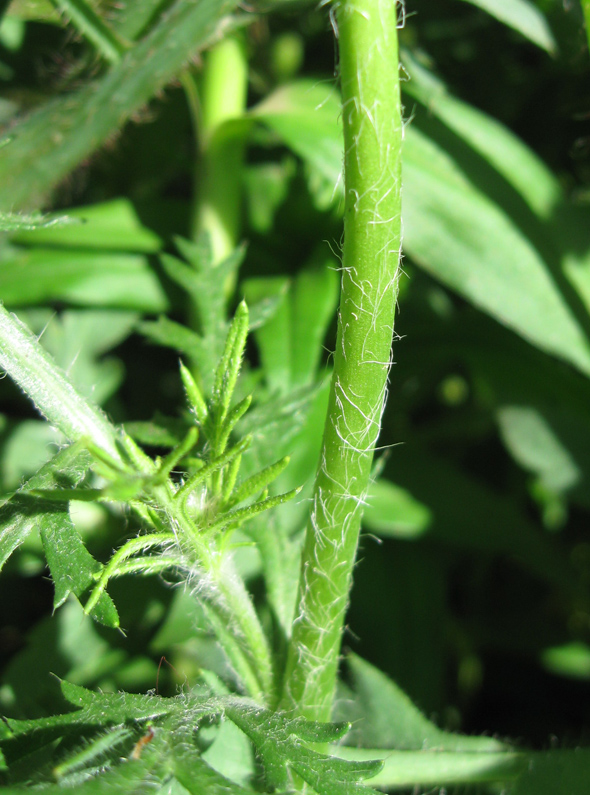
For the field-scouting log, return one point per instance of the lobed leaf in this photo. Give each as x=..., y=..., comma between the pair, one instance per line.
x=116, y=723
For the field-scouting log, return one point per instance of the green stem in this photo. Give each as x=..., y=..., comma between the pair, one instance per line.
x=243, y=638
x=371, y=113
x=25, y=361
x=219, y=171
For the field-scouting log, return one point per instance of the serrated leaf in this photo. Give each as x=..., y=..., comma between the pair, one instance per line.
x=73, y=567
x=171, y=749
x=21, y=516
x=277, y=740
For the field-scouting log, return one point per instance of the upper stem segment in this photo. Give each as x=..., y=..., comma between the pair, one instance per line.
x=371, y=113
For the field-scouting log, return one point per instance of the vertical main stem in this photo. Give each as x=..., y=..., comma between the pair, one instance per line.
x=371, y=113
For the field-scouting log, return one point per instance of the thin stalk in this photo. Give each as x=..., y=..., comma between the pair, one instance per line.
x=219, y=169
x=371, y=113
x=231, y=603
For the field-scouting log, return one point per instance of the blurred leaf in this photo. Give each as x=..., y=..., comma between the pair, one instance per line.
x=469, y=515
x=291, y=341
x=452, y=229
x=80, y=122
x=267, y=186
x=160, y=432
x=15, y=222
x=112, y=225
x=273, y=338
x=174, y=335
x=458, y=235
x=66, y=644
x=533, y=443
x=39, y=10
x=503, y=150
x=392, y=512
x=89, y=278
x=77, y=341
x=386, y=718
x=523, y=16
x=305, y=115
x=135, y=16
x=566, y=772
x=571, y=660
x=25, y=447
x=416, y=769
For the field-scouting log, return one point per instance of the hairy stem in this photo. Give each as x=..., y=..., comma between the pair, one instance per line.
x=36, y=373
x=371, y=113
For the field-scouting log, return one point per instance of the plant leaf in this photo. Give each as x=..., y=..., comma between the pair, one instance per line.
x=72, y=566
x=502, y=149
x=78, y=276
x=386, y=718
x=81, y=122
x=392, y=512
x=523, y=16
x=452, y=229
x=20, y=515
x=173, y=749
x=112, y=225
x=16, y=222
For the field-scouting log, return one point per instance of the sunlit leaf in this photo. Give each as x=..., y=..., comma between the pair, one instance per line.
x=523, y=16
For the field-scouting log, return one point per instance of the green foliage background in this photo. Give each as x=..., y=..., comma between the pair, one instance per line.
x=472, y=588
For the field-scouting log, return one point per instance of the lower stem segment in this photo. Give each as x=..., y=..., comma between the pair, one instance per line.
x=371, y=112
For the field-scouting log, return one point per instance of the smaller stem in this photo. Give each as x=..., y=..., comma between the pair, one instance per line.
x=219, y=172
x=132, y=546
